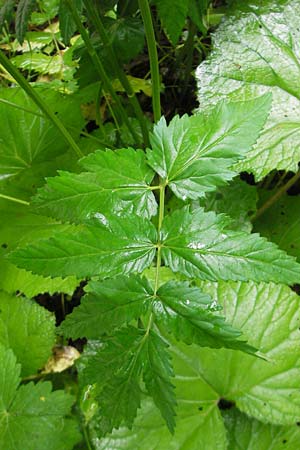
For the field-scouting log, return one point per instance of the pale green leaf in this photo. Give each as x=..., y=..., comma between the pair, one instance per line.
x=249, y=434
x=281, y=222
x=28, y=329
x=197, y=244
x=157, y=375
x=119, y=184
x=194, y=154
x=172, y=14
x=108, y=304
x=187, y=312
x=30, y=413
x=253, y=54
x=112, y=246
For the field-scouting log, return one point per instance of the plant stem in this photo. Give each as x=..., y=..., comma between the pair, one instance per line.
x=96, y=20
x=276, y=196
x=14, y=199
x=160, y=220
x=99, y=67
x=32, y=93
x=86, y=437
x=154, y=67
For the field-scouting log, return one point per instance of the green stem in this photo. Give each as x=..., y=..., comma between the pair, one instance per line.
x=154, y=67
x=96, y=20
x=276, y=196
x=14, y=199
x=86, y=437
x=32, y=93
x=160, y=221
x=100, y=69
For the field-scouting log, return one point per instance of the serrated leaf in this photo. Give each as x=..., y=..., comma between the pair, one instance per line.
x=157, y=374
x=187, y=312
x=281, y=222
x=197, y=244
x=28, y=329
x=6, y=11
x=249, y=434
x=24, y=9
x=66, y=22
x=173, y=14
x=194, y=154
x=108, y=304
x=30, y=412
x=269, y=390
x=119, y=183
x=262, y=57
x=117, y=368
x=112, y=246
x=237, y=200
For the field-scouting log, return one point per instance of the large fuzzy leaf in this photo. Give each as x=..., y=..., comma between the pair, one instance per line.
x=267, y=390
x=255, y=53
x=112, y=246
x=31, y=412
x=173, y=14
x=249, y=434
x=187, y=312
x=195, y=154
x=109, y=304
x=119, y=183
x=28, y=329
x=281, y=222
x=198, y=245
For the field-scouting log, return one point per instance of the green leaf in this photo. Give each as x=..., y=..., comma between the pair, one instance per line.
x=188, y=313
x=31, y=412
x=157, y=373
x=198, y=245
x=246, y=433
x=195, y=154
x=24, y=9
x=112, y=246
x=108, y=304
x=262, y=57
x=237, y=200
x=172, y=15
x=66, y=23
x=28, y=329
x=6, y=11
x=119, y=183
x=117, y=368
x=268, y=315
x=280, y=223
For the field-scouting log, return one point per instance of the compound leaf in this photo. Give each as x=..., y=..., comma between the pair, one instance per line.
x=108, y=304
x=112, y=246
x=22, y=324
x=195, y=154
x=254, y=53
x=24, y=9
x=30, y=413
x=119, y=183
x=188, y=313
x=198, y=245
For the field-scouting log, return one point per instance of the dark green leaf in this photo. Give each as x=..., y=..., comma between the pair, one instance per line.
x=66, y=23
x=157, y=374
x=116, y=368
x=31, y=412
x=119, y=184
x=198, y=245
x=172, y=14
x=187, y=312
x=108, y=305
x=195, y=154
x=6, y=11
x=113, y=246
x=24, y=9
